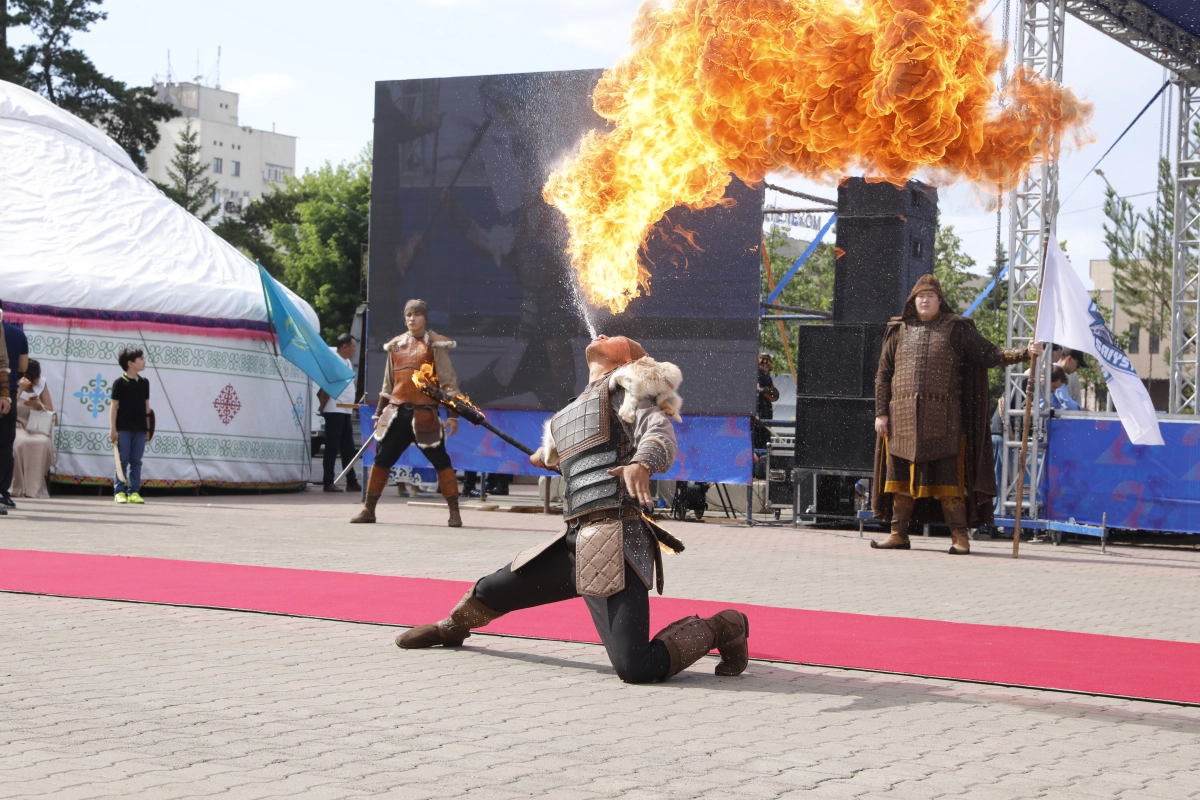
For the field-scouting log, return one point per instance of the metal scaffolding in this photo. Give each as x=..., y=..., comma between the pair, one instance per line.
x=1185, y=278
x=1032, y=208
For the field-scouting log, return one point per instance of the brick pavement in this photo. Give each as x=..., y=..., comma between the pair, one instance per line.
x=106, y=699
x=103, y=699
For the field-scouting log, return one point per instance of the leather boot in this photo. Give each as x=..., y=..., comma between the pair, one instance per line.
x=455, y=520
x=902, y=511
x=368, y=510
x=954, y=511
x=448, y=486
x=691, y=638
x=450, y=632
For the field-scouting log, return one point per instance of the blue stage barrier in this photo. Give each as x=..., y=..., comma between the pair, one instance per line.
x=713, y=449
x=1093, y=468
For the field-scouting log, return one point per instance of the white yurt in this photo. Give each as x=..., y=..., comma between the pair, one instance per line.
x=94, y=258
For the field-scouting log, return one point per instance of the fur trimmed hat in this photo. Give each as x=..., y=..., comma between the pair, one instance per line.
x=925, y=283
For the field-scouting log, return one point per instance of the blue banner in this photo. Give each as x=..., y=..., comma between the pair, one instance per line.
x=300, y=344
x=710, y=448
x=1093, y=468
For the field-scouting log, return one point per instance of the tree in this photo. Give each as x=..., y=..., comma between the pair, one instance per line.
x=13, y=68
x=952, y=267
x=812, y=287
x=67, y=77
x=309, y=234
x=190, y=185
x=1141, y=251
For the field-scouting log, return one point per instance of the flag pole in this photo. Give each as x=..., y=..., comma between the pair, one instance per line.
x=1035, y=375
x=267, y=303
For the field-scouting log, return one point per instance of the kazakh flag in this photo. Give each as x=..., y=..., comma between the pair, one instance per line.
x=300, y=344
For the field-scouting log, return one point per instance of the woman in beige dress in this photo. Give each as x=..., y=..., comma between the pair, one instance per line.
x=33, y=453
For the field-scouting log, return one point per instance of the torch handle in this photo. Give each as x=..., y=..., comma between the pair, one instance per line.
x=515, y=443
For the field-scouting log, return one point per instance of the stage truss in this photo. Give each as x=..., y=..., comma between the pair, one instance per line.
x=1033, y=207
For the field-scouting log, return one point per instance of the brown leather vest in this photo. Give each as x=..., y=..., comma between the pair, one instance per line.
x=406, y=358
x=926, y=407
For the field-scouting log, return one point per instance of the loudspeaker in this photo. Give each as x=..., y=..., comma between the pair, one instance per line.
x=885, y=239
x=838, y=360
x=836, y=433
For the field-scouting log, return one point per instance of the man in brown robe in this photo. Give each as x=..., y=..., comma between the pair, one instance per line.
x=933, y=451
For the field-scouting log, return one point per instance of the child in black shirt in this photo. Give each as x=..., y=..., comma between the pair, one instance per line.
x=127, y=422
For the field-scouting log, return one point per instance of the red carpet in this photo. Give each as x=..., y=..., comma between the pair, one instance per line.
x=1078, y=662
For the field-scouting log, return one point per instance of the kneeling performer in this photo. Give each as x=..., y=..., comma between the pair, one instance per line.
x=607, y=442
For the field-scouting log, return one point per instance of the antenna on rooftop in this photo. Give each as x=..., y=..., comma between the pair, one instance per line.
x=169, y=76
x=218, y=66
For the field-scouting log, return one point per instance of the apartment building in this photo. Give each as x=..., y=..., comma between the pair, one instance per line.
x=244, y=162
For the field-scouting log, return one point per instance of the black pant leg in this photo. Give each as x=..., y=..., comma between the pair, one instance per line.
x=346, y=446
x=549, y=578
x=397, y=439
x=623, y=622
x=437, y=457
x=334, y=425
x=8, y=435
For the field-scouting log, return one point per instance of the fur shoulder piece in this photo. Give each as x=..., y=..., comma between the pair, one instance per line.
x=648, y=380
x=432, y=339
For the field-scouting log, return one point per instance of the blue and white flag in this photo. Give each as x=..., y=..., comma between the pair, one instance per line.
x=1069, y=317
x=300, y=344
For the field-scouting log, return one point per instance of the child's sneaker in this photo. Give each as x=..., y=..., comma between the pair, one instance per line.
x=134, y=497
x=121, y=497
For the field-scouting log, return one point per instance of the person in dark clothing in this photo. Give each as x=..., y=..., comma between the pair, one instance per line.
x=128, y=423
x=15, y=356
x=765, y=404
x=339, y=423
x=607, y=442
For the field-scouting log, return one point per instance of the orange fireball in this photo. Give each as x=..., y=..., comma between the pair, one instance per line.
x=819, y=88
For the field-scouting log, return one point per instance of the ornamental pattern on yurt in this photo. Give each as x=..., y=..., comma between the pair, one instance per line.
x=95, y=395
x=227, y=404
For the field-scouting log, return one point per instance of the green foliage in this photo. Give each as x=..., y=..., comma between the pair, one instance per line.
x=309, y=234
x=952, y=267
x=65, y=76
x=812, y=287
x=190, y=185
x=1140, y=249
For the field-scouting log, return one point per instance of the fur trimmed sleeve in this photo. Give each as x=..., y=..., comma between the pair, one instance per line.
x=548, y=450
x=654, y=438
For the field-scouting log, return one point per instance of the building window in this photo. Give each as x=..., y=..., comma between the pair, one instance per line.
x=235, y=168
x=1152, y=348
x=276, y=173
x=217, y=165
x=1135, y=333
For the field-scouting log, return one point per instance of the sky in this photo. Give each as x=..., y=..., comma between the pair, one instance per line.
x=309, y=69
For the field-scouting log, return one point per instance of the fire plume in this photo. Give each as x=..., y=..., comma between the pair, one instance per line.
x=818, y=88
x=425, y=377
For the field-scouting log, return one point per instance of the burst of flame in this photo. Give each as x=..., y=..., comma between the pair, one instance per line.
x=424, y=376
x=819, y=88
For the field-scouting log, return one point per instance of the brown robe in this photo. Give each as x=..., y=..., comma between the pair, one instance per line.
x=967, y=387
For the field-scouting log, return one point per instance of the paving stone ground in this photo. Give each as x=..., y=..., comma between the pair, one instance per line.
x=106, y=699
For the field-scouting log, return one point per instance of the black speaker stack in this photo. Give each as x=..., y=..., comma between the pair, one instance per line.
x=885, y=238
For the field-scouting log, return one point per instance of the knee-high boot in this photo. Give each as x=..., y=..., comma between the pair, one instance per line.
x=450, y=632
x=448, y=486
x=902, y=511
x=691, y=638
x=954, y=509
x=376, y=483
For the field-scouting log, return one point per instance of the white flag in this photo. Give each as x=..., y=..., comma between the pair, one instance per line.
x=1070, y=318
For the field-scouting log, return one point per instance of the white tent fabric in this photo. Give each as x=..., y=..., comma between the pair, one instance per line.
x=83, y=233
x=81, y=227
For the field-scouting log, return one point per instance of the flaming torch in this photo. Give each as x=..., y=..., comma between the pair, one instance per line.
x=427, y=382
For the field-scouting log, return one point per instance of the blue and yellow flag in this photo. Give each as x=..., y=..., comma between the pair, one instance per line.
x=300, y=344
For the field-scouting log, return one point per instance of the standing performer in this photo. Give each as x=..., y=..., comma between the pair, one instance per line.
x=409, y=416
x=607, y=442
x=933, y=451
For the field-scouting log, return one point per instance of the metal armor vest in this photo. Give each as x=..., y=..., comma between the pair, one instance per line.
x=590, y=441
x=926, y=408
x=406, y=358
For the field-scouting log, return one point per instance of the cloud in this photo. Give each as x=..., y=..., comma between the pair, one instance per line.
x=262, y=85
x=595, y=25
